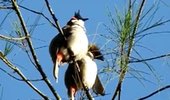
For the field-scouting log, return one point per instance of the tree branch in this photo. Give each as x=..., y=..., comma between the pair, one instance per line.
x=55, y=19
x=38, y=66
x=40, y=13
x=155, y=92
x=33, y=80
x=5, y=7
x=149, y=59
x=12, y=39
x=10, y=65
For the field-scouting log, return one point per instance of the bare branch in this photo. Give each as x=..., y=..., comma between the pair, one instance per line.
x=33, y=80
x=10, y=65
x=39, y=13
x=158, y=23
x=155, y=92
x=12, y=38
x=55, y=19
x=38, y=66
x=3, y=19
x=5, y=7
x=149, y=59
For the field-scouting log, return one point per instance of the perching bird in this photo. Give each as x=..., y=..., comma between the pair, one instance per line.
x=73, y=47
x=88, y=74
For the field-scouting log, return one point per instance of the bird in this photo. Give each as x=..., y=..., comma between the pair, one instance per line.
x=86, y=73
x=71, y=45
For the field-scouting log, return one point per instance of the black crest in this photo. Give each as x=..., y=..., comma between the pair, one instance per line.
x=78, y=16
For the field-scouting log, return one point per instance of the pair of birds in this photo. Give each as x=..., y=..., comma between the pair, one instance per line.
x=73, y=47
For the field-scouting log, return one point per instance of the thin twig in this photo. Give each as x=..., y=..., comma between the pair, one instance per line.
x=38, y=66
x=31, y=80
x=3, y=19
x=5, y=7
x=10, y=65
x=40, y=13
x=149, y=59
x=159, y=23
x=12, y=38
x=135, y=28
x=55, y=19
x=155, y=92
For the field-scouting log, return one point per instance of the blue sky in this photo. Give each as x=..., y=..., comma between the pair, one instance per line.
x=97, y=12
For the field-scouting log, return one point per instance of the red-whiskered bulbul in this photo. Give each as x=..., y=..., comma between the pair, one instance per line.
x=88, y=73
x=73, y=46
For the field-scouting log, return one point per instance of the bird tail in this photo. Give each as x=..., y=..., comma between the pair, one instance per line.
x=98, y=87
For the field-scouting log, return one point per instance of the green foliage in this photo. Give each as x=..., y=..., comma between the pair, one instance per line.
x=8, y=48
x=126, y=28
x=17, y=29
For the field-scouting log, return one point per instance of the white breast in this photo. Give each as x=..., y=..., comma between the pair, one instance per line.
x=78, y=41
x=89, y=72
